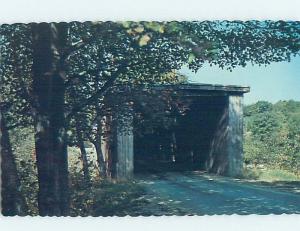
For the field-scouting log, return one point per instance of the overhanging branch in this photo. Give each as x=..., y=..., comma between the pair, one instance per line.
x=101, y=92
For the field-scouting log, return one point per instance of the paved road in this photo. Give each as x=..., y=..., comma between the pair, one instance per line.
x=204, y=194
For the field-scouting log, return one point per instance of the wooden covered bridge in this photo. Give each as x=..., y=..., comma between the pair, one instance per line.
x=205, y=134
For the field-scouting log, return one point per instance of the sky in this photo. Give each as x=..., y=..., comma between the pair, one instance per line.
x=277, y=81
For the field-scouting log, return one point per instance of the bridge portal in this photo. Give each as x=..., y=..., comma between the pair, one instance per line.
x=206, y=135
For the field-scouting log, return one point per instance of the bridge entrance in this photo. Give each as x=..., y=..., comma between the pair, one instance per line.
x=185, y=143
x=207, y=136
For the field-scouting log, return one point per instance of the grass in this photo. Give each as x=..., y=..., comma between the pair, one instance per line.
x=274, y=178
x=107, y=198
x=120, y=199
x=270, y=175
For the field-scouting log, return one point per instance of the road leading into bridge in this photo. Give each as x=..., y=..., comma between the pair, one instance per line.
x=205, y=194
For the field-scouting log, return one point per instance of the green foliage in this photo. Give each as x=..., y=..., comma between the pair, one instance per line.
x=263, y=125
x=270, y=175
x=278, y=175
x=15, y=74
x=259, y=107
x=272, y=135
x=22, y=141
x=133, y=53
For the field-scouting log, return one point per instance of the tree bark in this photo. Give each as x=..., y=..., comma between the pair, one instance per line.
x=85, y=164
x=13, y=202
x=49, y=39
x=100, y=158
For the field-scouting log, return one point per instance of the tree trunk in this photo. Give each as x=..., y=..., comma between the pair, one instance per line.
x=100, y=158
x=13, y=202
x=50, y=137
x=85, y=164
x=108, y=145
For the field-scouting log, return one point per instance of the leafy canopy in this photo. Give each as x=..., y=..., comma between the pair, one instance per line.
x=99, y=55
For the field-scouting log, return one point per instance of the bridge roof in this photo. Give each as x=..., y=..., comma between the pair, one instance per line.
x=204, y=87
x=189, y=89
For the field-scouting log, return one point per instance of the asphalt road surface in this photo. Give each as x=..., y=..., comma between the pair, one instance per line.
x=205, y=194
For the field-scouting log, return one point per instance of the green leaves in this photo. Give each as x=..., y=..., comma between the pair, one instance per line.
x=144, y=40
x=155, y=26
x=149, y=49
x=126, y=24
x=269, y=137
x=174, y=27
x=191, y=58
x=213, y=53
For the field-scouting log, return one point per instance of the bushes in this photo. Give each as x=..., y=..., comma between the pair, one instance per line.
x=272, y=135
x=98, y=197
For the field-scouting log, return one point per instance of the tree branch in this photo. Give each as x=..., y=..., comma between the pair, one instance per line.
x=109, y=83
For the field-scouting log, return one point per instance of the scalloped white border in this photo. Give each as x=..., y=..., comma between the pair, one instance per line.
x=12, y=11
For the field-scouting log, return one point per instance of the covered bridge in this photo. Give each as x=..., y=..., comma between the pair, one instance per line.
x=208, y=135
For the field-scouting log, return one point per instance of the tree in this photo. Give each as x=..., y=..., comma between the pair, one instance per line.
x=12, y=103
x=13, y=202
x=74, y=65
x=272, y=136
x=259, y=107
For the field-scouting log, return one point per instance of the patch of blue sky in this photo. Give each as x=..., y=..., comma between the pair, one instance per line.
x=274, y=82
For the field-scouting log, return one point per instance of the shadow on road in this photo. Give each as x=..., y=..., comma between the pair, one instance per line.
x=199, y=193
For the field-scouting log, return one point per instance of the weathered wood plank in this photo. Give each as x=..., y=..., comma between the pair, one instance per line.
x=226, y=151
x=217, y=161
x=124, y=144
x=235, y=135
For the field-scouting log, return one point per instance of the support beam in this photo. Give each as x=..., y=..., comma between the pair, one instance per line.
x=235, y=135
x=226, y=149
x=123, y=144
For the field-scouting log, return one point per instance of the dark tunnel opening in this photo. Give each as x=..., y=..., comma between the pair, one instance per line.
x=184, y=146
